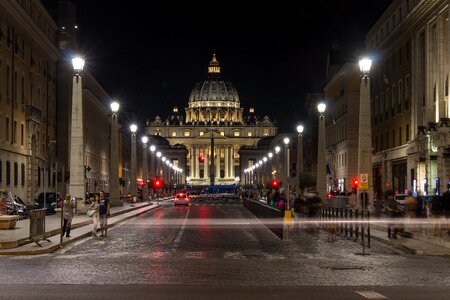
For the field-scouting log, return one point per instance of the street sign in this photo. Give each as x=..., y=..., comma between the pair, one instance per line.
x=364, y=182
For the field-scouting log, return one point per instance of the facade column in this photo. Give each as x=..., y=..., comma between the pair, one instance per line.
x=227, y=162
x=206, y=164
x=197, y=164
x=232, y=162
x=192, y=164
x=217, y=162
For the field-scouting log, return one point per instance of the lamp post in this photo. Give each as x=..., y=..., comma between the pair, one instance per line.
x=114, y=157
x=300, y=129
x=133, y=185
x=144, y=169
x=321, y=184
x=77, y=187
x=365, y=138
x=286, y=157
x=152, y=162
x=277, y=160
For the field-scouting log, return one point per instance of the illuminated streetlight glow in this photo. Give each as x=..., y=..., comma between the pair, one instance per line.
x=365, y=64
x=163, y=158
x=158, y=154
x=152, y=148
x=321, y=107
x=300, y=128
x=133, y=128
x=115, y=107
x=270, y=154
x=264, y=159
x=286, y=140
x=78, y=64
x=145, y=139
x=277, y=149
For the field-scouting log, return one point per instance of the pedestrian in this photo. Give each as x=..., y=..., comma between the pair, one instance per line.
x=446, y=208
x=94, y=207
x=392, y=210
x=104, y=212
x=68, y=207
x=378, y=203
x=437, y=212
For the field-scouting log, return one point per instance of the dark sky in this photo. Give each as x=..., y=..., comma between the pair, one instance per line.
x=149, y=54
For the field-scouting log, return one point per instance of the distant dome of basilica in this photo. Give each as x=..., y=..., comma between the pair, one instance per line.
x=215, y=88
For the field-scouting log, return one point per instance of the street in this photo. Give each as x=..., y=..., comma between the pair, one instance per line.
x=209, y=249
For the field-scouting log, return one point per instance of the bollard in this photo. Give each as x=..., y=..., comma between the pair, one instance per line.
x=346, y=224
x=356, y=225
x=341, y=211
x=351, y=223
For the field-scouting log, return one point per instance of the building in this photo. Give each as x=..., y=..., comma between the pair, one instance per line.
x=28, y=56
x=342, y=124
x=213, y=130
x=409, y=94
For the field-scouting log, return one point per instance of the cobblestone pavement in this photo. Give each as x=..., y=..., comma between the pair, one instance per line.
x=166, y=246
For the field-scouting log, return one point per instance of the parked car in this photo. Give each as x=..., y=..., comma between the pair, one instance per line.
x=181, y=199
x=51, y=201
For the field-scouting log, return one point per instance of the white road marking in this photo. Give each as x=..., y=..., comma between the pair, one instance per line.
x=196, y=255
x=274, y=256
x=233, y=255
x=180, y=233
x=370, y=295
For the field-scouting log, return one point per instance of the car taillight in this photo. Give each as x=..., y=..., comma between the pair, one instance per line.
x=186, y=199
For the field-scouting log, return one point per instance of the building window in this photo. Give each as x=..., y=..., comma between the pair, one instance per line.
x=393, y=138
x=15, y=132
x=174, y=133
x=407, y=133
x=22, y=133
x=249, y=133
x=7, y=128
x=266, y=132
x=400, y=136
x=39, y=176
x=8, y=173
x=222, y=133
x=236, y=133
x=201, y=133
x=8, y=84
x=16, y=174
x=23, y=93
x=22, y=174
x=187, y=133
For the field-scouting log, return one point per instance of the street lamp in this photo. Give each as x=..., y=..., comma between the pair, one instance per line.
x=152, y=162
x=286, y=157
x=300, y=129
x=321, y=185
x=77, y=186
x=133, y=185
x=365, y=138
x=144, y=168
x=114, y=195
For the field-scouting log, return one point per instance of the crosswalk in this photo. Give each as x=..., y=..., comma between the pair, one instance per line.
x=215, y=204
x=183, y=255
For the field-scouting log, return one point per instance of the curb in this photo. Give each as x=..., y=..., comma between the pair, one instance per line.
x=52, y=248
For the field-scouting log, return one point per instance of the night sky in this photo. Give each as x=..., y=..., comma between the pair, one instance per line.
x=149, y=54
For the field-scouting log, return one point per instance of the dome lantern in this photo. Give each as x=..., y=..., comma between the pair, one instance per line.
x=214, y=67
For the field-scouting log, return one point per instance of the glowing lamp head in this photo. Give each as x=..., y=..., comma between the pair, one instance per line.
x=133, y=128
x=300, y=129
x=277, y=149
x=286, y=140
x=321, y=107
x=270, y=154
x=158, y=154
x=145, y=139
x=167, y=162
x=115, y=107
x=78, y=64
x=264, y=159
x=365, y=64
x=163, y=158
x=152, y=148
x=260, y=162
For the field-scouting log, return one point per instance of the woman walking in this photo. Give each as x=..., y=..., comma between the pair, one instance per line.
x=95, y=215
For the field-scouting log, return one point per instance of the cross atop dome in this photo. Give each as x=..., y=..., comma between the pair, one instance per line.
x=214, y=67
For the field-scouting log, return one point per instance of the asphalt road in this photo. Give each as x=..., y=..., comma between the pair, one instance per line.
x=216, y=252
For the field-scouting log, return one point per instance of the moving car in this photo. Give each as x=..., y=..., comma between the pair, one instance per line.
x=181, y=199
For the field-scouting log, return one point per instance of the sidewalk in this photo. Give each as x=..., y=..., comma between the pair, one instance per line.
x=419, y=244
x=15, y=242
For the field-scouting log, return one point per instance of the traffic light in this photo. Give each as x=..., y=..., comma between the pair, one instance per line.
x=201, y=158
x=355, y=185
x=275, y=184
x=157, y=183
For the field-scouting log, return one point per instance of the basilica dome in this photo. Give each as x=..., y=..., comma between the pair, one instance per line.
x=214, y=90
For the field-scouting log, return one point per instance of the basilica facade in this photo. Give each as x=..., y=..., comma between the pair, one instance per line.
x=213, y=130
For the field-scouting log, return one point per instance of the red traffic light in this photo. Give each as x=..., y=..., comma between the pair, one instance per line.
x=275, y=184
x=157, y=183
x=355, y=182
x=201, y=158
x=329, y=196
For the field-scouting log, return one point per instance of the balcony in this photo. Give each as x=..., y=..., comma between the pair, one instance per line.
x=33, y=114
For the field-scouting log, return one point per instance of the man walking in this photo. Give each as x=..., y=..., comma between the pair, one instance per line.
x=104, y=212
